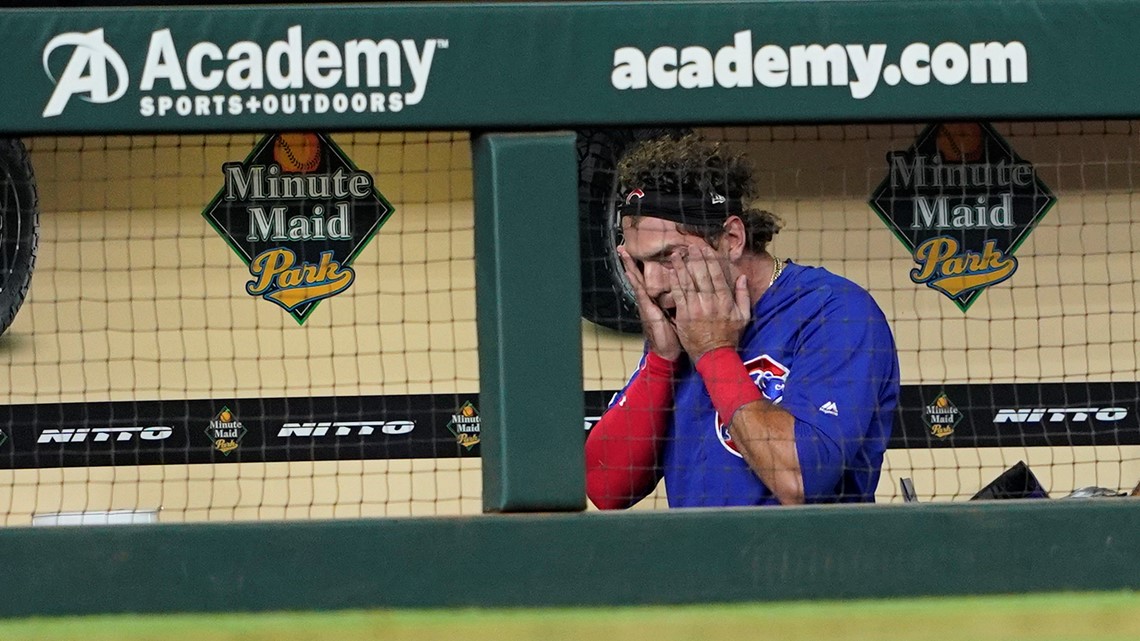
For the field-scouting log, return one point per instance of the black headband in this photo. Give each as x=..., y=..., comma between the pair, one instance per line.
x=682, y=207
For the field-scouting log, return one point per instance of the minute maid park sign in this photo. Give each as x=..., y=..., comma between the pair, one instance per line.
x=298, y=212
x=962, y=202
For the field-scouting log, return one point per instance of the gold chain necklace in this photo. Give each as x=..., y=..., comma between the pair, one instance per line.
x=777, y=269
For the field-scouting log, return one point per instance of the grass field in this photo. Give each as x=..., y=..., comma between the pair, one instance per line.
x=1056, y=617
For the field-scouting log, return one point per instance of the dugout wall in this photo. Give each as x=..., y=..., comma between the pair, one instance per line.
x=136, y=297
x=571, y=81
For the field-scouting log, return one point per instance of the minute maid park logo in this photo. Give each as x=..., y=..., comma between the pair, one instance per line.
x=298, y=212
x=962, y=202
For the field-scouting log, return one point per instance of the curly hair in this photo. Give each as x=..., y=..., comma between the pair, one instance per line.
x=691, y=163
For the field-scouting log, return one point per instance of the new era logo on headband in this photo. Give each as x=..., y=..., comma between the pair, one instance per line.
x=682, y=204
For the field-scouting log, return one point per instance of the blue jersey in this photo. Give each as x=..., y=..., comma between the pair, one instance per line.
x=818, y=346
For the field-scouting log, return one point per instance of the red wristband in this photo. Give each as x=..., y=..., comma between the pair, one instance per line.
x=727, y=381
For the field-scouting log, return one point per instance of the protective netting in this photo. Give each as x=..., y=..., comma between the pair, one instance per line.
x=141, y=374
x=1036, y=364
x=205, y=339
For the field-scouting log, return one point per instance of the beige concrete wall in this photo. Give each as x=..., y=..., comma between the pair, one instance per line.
x=135, y=297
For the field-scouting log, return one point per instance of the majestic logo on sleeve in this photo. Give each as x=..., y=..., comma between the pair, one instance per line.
x=298, y=213
x=770, y=376
x=962, y=202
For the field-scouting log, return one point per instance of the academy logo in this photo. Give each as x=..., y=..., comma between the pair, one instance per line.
x=182, y=77
x=941, y=416
x=770, y=376
x=225, y=431
x=962, y=202
x=91, y=54
x=297, y=212
x=465, y=425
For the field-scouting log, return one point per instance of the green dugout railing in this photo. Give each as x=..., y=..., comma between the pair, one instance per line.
x=545, y=67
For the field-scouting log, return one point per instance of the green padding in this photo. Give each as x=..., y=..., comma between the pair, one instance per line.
x=530, y=337
x=521, y=560
x=550, y=64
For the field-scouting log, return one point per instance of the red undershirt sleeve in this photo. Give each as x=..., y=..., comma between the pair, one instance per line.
x=622, y=450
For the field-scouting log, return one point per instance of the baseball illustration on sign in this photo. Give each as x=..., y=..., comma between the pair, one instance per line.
x=297, y=153
x=962, y=202
x=298, y=212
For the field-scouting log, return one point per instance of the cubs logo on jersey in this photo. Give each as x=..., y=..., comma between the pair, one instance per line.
x=770, y=375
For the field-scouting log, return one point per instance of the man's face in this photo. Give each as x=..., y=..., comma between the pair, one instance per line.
x=652, y=243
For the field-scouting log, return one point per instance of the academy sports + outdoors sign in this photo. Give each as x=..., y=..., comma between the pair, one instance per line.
x=295, y=76
x=459, y=66
x=289, y=76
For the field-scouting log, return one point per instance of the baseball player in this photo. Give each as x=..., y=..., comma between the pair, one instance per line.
x=763, y=381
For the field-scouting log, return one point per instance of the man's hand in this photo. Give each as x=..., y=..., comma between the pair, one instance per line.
x=711, y=311
x=659, y=331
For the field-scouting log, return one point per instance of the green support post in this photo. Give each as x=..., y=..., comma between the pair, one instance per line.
x=528, y=313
